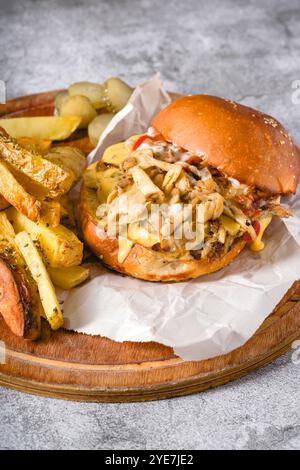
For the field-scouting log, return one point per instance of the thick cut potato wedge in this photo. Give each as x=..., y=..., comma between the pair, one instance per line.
x=67, y=212
x=6, y=229
x=20, y=304
x=44, y=127
x=50, y=213
x=16, y=302
x=39, y=273
x=67, y=278
x=16, y=195
x=35, y=145
x=59, y=246
x=3, y=203
x=11, y=307
x=33, y=171
x=70, y=158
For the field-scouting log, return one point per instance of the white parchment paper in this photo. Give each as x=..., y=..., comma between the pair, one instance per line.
x=202, y=318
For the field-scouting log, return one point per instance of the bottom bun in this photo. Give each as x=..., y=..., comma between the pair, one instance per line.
x=142, y=262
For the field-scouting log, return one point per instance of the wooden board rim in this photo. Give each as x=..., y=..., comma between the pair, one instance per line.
x=149, y=393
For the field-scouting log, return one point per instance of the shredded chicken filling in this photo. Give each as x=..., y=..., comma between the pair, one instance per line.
x=169, y=200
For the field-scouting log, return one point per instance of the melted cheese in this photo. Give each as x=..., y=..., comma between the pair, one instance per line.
x=230, y=225
x=258, y=244
x=116, y=154
x=125, y=246
x=139, y=234
x=107, y=180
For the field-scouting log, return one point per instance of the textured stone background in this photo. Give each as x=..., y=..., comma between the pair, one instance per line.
x=245, y=50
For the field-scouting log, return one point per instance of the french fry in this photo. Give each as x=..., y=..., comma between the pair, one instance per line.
x=16, y=195
x=39, y=146
x=41, y=127
x=20, y=304
x=59, y=246
x=70, y=158
x=40, y=275
x=3, y=203
x=33, y=171
x=50, y=213
x=67, y=278
x=67, y=212
x=6, y=229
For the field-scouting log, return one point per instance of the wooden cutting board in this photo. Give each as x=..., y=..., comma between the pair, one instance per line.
x=74, y=366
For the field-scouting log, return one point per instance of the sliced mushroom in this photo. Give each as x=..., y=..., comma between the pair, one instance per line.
x=144, y=183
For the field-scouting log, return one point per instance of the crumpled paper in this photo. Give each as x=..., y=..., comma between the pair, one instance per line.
x=202, y=318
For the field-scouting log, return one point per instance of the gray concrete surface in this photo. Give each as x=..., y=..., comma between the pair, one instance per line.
x=245, y=50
